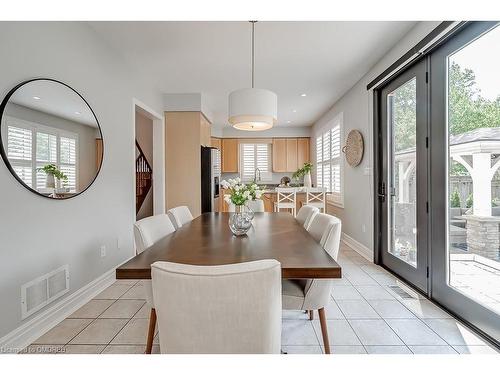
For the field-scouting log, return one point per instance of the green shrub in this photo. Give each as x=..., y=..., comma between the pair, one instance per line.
x=469, y=202
x=455, y=199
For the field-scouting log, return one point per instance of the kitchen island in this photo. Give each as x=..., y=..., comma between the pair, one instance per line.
x=269, y=197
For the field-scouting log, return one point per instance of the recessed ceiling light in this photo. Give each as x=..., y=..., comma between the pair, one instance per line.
x=303, y=94
x=77, y=113
x=288, y=122
x=36, y=98
x=294, y=110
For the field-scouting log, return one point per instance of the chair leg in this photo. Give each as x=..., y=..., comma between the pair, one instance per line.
x=151, y=331
x=311, y=314
x=324, y=329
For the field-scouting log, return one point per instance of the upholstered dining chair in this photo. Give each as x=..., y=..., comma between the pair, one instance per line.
x=314, y=294
x=233, y=308
x=306, y=214
x=147, y=232
x=180, y=216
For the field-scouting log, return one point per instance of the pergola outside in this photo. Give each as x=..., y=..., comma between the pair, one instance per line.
x=475, y=272
x=478, y=151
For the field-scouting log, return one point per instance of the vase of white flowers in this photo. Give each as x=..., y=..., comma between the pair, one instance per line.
x=238, y=194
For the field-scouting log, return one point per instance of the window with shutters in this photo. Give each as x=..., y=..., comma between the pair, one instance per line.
x=31, y=146
x=253, y=156
x=329, y=161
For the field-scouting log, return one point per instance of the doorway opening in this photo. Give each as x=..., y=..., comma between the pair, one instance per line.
x=149, y=161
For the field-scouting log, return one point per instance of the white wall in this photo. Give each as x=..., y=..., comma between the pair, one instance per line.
x=37, y=234
x=357, y=108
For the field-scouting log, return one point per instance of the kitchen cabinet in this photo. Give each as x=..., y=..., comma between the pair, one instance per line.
x=185, y=132
x=268, y=199
x=216, y=142
x=205, y=130
x=279, y=155
x=290, y=154
x=230, y=158
x=303, y=151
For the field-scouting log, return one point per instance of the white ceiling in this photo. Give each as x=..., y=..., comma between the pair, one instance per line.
x=55, y=99
x=321, y=59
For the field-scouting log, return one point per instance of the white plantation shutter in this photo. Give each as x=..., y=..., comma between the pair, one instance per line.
x=20, y=152
x=31, y=146
x=67, y=160
x=252, y=156
x=319, y=161
x=336, y=160
x=329, y=160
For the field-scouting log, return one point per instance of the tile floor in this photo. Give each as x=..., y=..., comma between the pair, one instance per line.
x=364, y=316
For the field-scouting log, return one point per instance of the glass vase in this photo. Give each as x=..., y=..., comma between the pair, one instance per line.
x=240, y=221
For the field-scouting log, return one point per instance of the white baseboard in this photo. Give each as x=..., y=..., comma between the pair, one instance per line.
x=24, y=335
x=358, y=247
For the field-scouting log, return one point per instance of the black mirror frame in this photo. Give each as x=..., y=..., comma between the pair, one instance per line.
x=4, y=153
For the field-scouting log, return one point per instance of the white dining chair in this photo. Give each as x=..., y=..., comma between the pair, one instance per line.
x=233, y=308
x=256, y=205
x=306, y=214
x=147, y=232
x=180, y=216
x=316, y=197
x=286, y=199
x=314, y=294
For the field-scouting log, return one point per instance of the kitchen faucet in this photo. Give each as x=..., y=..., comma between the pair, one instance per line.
x=255, y=175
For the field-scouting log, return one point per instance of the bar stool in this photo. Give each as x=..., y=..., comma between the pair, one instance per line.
x=286, y=199
x=316, y=197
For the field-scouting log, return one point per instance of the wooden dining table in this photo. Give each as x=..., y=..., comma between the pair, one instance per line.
x=208, y=241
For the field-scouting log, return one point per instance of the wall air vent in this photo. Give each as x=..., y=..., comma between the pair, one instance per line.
x=38, y=293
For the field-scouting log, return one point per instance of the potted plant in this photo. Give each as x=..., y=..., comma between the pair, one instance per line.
x=53, y=173
x=305, y=172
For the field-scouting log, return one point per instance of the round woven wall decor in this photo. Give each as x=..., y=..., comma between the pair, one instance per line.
x=354, y=148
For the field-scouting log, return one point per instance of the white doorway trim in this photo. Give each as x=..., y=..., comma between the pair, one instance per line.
x=158, y=154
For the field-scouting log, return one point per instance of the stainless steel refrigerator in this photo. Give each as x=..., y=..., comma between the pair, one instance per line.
x=210, y=178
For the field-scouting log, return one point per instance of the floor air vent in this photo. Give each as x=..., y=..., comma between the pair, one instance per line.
x=401, y=292
x=43, y=290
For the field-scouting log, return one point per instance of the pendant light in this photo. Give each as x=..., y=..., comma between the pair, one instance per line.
x=253, y=109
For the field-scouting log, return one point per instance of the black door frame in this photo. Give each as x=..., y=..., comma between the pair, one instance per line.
x=417, y=277
x=473, y=312
x=436, y=201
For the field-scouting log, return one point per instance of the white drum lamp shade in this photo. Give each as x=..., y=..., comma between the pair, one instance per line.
x=253, y=109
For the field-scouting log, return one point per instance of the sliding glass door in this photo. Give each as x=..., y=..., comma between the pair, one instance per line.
x=438, y=175
x=403, y=181
x=465, y=188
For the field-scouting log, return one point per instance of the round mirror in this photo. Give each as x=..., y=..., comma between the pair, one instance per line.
x=50, y=138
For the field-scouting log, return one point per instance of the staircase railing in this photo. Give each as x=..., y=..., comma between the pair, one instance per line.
x=143, y=178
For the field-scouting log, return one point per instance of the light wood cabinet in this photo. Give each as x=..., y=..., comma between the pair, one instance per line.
x=302, y=152
x=291, y=154
x=279, y=155
x=184, y=133
x=230, y=155
x=205, y=130
x=216, y=142
x=268, y=200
